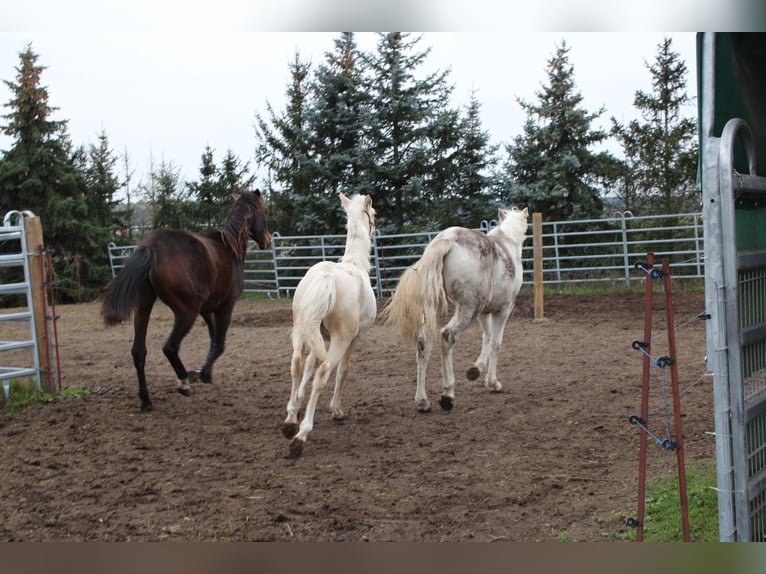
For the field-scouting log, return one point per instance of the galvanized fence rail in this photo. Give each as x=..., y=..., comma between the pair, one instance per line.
x=580, y=251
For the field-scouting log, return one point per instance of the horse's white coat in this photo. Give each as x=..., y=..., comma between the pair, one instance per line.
x=335, y=300
x=481, y=276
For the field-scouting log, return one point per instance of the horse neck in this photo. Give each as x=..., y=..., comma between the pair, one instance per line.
x=513, y=246
x=357, y=250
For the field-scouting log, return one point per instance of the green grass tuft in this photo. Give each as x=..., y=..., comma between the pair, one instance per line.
x=662, y=515
x=24, y=392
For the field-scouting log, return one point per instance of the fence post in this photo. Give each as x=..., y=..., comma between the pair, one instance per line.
x=537, y=246
x=625, y=259
x=37, y=279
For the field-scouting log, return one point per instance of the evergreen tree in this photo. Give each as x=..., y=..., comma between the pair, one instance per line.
x=283, y=148
x=204, y=192
x=550, y=167
x=468, y=200
x=169, y=204
x=42, y=172
x=660, y=151
x=234, y=176
x=407, y=135
x=337, y=119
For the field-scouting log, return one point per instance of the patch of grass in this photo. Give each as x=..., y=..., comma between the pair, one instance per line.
x=662, y=516
x=24, y=392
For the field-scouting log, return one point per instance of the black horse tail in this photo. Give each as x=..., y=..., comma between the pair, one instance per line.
x=124, y=291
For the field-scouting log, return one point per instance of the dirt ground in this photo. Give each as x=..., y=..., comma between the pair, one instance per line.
x=553, y=457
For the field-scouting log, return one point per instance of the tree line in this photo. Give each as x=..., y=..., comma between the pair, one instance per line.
x=361, y=121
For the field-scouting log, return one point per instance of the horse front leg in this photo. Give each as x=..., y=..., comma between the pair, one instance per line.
x=424, y=347
x=497, y=327
x=217, y=327
x=181, y=327
x=340, y=379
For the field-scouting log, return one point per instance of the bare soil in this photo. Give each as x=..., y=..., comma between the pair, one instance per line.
x=553, y=457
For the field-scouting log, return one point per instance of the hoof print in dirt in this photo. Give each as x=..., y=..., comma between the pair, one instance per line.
x=296, y=448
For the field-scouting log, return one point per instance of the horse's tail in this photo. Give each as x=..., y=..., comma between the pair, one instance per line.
x=316, y=301
x=420, y=297
x=124, y=291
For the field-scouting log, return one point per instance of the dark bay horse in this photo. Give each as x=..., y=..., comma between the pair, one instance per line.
x=193, y=274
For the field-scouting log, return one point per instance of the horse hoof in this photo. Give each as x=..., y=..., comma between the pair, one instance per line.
x=338, y=416
x=296, y=448
x=424, y=406
x=446, y=403
x=184, y=389
x=473, y=373
x=146, y=407
x=496, y=388
x=289, y=430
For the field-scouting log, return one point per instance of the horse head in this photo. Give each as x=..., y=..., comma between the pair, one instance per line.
x=258, y=230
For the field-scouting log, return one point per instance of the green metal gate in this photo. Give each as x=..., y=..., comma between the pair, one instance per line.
x=734, y=212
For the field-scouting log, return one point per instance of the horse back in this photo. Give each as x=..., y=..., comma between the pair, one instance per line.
x=480, y=269
x=193, y=267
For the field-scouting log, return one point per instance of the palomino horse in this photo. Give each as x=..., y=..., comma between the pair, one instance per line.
x=333, y=301
x=481, y=276
x=193, y=274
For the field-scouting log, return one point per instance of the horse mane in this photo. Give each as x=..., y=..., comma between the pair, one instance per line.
x=235, y=231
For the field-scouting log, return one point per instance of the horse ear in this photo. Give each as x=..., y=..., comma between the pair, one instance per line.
x=526, y=212
x=257, y=192
x=343, y=199
x=501, y=213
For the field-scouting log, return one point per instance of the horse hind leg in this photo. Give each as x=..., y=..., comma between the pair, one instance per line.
x=138, y=350
x=424, y=347
x=322, y=375
x=217, y=327
x=301, y=370
x=457, y=324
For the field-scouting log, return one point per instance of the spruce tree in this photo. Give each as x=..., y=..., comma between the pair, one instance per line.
x=338, y=117
x=469, y=199
x=44, y=173
x=550, y=166
x=661, y=149
x=404, y=126
x=283, y=149
x=204, y=192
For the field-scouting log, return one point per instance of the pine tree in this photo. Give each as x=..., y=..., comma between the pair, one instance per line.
x=550, y=167
x=337, y=118
x=468, y=199
x=166, y=198
x=660, y=151
x=404, y=127
x=283, y=149
x=44, y=173
x=204, y=192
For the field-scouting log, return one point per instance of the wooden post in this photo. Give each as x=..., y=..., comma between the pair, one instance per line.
x=34, y=239
x=537, y=248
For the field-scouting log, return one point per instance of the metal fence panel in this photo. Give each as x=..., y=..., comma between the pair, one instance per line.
x=573, y=252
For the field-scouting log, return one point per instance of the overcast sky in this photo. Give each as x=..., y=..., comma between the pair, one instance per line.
x=165, y=84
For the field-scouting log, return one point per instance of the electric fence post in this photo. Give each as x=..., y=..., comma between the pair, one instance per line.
x=642, y=421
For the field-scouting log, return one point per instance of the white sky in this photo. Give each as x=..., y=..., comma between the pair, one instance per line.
x=167, y=93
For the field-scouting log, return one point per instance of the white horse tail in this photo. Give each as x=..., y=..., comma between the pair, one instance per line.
x=311, y=308
x=420, y=298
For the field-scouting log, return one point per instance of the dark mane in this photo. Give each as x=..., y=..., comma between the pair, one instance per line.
x=236, y=229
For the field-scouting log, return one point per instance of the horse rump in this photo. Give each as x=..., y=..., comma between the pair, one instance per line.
x=124, y=291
